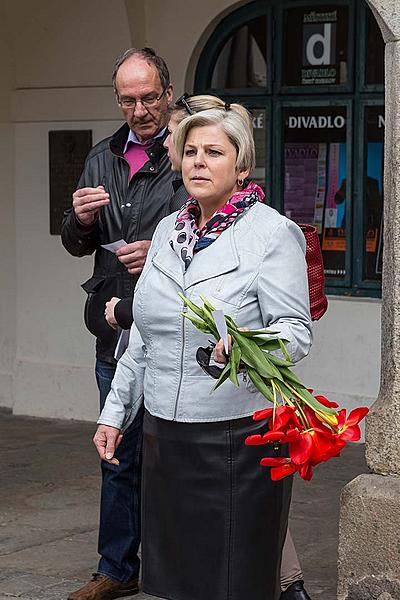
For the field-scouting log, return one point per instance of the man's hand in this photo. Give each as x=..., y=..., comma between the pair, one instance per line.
x=109, y=312
x=87, y=203
x=134, y=255
x=107, y=439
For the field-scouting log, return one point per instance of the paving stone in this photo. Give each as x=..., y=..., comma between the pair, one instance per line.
x=49, y=511
x=62, y=558
x=21, y=584
x=12, y=540
x=57, y=591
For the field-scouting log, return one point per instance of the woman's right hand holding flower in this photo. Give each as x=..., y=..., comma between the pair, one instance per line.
x=219, y=354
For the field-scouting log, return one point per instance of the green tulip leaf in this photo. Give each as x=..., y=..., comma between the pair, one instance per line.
x=223, y=377
x=207, y=304
x=291, y=377
x=260, y=384
x=193, y=307
x=235, y=356
x=199, y=324
x=279, y=362
x=313, y=403
x=282, y=344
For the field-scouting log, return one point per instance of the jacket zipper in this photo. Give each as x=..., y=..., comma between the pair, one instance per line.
x=184, y=310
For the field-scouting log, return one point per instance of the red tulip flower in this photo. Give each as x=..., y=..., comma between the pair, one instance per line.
x=348, y=429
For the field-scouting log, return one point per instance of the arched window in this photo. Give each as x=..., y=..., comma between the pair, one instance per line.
x=312, y=73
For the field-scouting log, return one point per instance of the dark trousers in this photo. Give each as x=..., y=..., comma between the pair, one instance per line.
x=119, y=531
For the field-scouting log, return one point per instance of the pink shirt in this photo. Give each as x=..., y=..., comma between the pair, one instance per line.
x=136, y=157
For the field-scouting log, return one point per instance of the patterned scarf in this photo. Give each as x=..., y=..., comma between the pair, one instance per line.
x=187, y=238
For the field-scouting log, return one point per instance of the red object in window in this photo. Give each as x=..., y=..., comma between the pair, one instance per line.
x=315, y=271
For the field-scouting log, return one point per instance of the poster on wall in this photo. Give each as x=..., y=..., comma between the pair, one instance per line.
x=373, y=193
x=315, y=160
x=334, y=233
x=316, y=45
x=305, y=170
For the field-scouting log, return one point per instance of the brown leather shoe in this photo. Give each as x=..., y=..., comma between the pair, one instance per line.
x=102, y=587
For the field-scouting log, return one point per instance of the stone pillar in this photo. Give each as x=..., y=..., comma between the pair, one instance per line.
x=369, y=536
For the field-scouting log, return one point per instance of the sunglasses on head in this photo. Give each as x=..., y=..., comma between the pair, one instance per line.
x=182, y=103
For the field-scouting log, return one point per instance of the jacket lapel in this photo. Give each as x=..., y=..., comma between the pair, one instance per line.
x=218, y=258
x=168, y=263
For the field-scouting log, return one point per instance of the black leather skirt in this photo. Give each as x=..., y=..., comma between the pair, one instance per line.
x=214, y=523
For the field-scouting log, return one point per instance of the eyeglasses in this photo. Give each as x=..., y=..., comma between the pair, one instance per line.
x=148, y=102
x=182, y=103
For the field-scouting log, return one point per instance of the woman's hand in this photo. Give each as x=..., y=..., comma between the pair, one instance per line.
x=219, y=354
x=107, y=439
x=109, y=312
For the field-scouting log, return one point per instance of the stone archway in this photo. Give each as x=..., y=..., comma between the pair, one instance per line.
x=369, y=540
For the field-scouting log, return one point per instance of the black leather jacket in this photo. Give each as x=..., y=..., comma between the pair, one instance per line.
x=123, y=309
x=135, y=209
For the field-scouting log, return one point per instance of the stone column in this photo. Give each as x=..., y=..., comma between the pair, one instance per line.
x=369, y=537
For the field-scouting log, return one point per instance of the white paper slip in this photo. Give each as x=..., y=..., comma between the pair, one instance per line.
x=220, y=323
x=122, y=343
x=114, y=246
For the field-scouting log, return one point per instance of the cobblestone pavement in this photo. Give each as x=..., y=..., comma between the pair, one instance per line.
x=49, y=491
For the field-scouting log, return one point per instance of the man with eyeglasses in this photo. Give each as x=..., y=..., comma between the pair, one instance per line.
x=124, y=191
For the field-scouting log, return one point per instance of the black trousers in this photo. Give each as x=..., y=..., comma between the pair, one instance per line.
x=214, y=523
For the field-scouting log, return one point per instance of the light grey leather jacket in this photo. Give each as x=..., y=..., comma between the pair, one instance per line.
x=256, y=272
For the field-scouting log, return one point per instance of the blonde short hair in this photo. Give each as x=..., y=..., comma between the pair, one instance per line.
x=235, y=123
x=196, y=104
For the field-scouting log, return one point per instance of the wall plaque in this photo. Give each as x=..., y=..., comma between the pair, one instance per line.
x=316, y=45
x=67, y=153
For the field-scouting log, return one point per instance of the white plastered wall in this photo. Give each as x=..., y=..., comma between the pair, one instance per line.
x=64, y=61
x=55, y=354
x=63, y=82
x=344, y=362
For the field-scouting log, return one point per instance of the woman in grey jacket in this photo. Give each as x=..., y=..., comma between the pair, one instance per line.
x=213, y=522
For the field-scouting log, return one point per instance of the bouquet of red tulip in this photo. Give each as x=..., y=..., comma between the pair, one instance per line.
x=312, y=426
